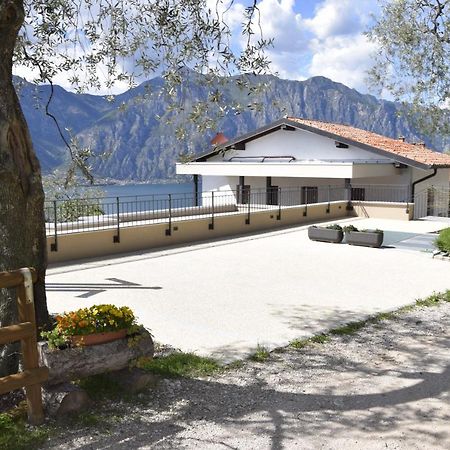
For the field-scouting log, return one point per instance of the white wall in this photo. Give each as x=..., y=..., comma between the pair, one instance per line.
x=301, y=144
x=224, y=189
x=219, y=183
x=328, y=190
x=440, y=179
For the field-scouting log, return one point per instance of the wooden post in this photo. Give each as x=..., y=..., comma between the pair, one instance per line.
x=32, y=375
x=30, y=355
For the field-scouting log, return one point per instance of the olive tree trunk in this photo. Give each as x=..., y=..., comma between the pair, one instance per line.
x=22, y=224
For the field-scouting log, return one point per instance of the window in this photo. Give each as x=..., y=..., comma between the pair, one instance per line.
x=310, y=194
x=358, y=194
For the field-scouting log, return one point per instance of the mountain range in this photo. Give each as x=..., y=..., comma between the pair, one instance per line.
x=143, y=148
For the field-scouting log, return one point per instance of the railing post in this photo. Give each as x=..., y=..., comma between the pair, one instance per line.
x=169, y=230
x=54, y=245
x=305, y=212
x=249, y=198
x=195, y=190
x=211, y=225
x=279, y=204
x=348, y=186
x=116, y=238
x=328, y=206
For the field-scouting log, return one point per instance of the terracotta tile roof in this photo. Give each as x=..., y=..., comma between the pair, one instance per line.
x=413, y=152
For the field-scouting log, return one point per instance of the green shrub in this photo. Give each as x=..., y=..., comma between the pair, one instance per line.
x=15, y=435
x=442, y=242
x=334, y=226
x=350, y=228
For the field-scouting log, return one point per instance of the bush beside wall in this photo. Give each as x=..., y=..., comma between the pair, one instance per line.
x=443, y=240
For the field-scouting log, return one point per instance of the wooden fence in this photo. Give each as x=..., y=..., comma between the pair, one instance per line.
x=25, y=332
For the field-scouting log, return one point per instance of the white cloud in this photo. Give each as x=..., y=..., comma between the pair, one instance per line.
x=330, y=43
x=345, y=59
x=62, y=79
x=335, y=17
x=280, y=22
x=339, y=49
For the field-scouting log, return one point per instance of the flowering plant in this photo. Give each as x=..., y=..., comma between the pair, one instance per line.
x=93, y=320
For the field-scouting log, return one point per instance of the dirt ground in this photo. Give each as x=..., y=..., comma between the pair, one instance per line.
x=385, y=387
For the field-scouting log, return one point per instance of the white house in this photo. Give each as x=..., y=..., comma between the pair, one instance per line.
x=316, y=159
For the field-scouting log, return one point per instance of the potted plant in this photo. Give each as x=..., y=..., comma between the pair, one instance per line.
x=330, y=233
x=90, y=326
x=365, y=238
x=89, y=341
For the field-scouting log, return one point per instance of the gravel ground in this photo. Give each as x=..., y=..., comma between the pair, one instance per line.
x=387, y=386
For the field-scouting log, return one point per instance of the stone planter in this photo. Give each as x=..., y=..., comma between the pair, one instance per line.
x=79, y=362
x=323, y=234
x=364, y=238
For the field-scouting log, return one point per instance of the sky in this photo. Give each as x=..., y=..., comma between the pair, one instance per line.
x=320, y=37
x=311, y=38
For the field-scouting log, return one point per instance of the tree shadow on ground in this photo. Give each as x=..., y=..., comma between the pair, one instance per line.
x=343, y=387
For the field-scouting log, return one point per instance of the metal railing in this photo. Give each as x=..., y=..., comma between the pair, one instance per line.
x=80, y=215
x=433, y=201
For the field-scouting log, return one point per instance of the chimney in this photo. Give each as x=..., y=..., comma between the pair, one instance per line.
x=401, y=138
x=219, y=139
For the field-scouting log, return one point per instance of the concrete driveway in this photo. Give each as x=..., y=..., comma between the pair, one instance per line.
x=225, y=298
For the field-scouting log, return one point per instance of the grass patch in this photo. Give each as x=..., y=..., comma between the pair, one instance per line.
x=234, y=365
x=349, y=328
x=15, y=435
x=261, y=354
x=89, y=419
x=101, y=386
x=353, y=327
x=320, y=339
x=181, y=365
x=302, y=343
x=434, y=299
x=384, y=316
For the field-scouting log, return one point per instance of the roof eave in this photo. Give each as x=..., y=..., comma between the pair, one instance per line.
x=439, y=166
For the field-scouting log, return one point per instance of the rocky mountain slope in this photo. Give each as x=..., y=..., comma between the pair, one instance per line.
x=142, y=148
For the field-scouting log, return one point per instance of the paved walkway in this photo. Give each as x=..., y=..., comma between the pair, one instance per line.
x=224, y=298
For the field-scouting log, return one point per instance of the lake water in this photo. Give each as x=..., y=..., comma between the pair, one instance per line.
x=146, y=197
x=144, y=190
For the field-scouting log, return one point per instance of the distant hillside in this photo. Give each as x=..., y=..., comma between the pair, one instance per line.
x=143, y=148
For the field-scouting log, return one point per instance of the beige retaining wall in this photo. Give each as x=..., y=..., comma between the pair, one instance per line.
x=384, y=210
x=90, y=244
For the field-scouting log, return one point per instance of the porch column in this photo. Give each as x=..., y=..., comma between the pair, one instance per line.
x=196, y=190
x=348, y=189
x=240, y=190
